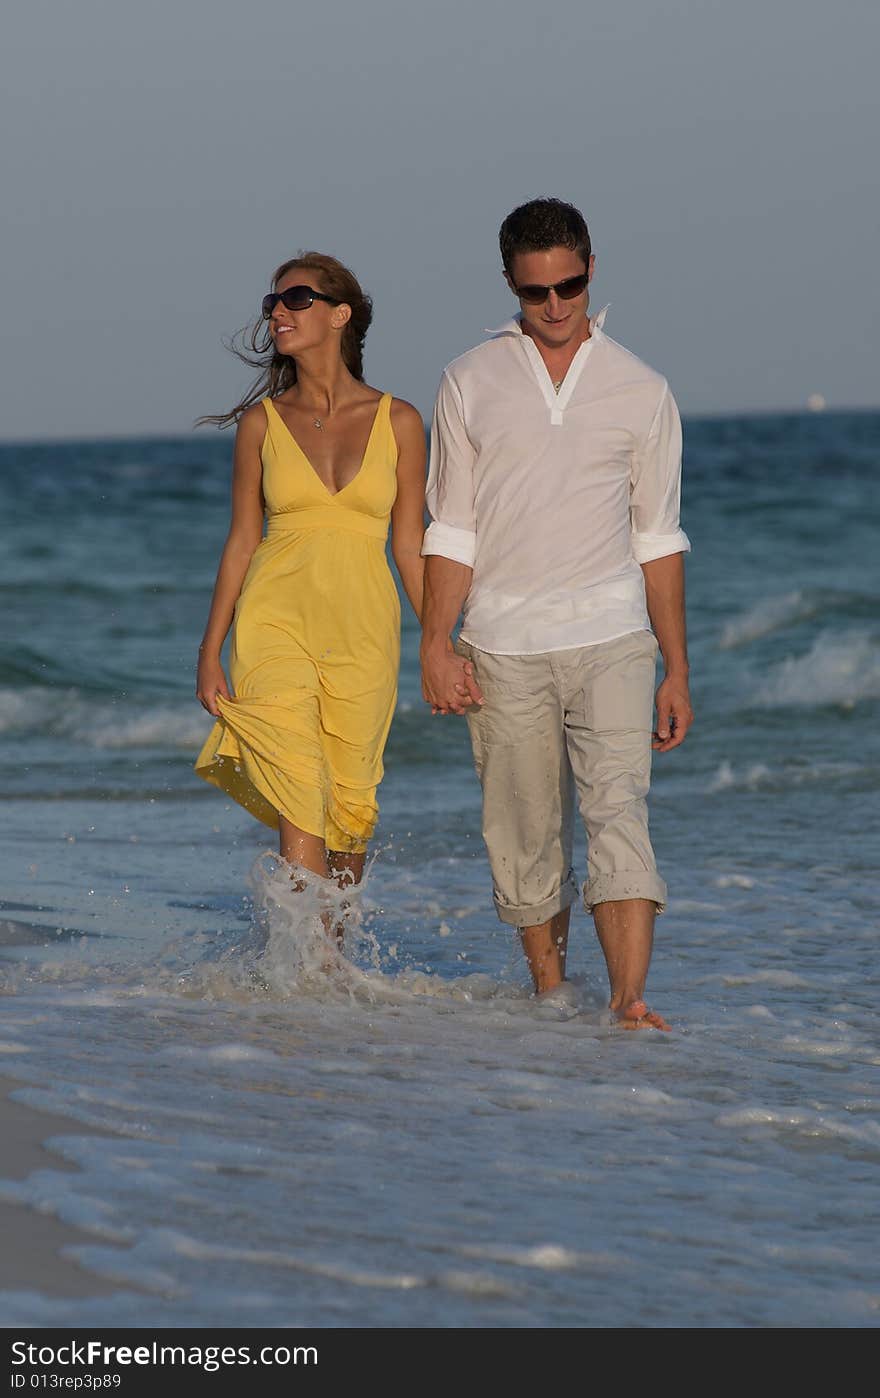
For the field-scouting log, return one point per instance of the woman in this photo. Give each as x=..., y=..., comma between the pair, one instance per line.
x=314, y=609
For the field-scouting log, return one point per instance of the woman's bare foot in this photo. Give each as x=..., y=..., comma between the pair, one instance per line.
x=638, y=1016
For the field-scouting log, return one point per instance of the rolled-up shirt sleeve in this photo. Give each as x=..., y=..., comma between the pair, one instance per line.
x=450, y=491
x=656, y=487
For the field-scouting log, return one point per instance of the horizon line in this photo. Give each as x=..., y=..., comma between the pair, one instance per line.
x=709, y=415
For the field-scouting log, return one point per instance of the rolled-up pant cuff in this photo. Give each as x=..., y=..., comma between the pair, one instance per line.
x=564, y=896
x=614, y=888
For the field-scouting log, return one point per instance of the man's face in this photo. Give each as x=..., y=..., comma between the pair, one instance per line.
x=555, y=321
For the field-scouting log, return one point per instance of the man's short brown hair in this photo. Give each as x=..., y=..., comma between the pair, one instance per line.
x=542, y=224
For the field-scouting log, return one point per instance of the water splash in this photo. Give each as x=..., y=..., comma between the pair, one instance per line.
x=307, y=932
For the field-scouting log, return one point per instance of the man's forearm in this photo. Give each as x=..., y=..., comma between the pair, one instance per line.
x=664, y=593
x=447, y=584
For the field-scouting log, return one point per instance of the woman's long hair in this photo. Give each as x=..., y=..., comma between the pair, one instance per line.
x=277, y=372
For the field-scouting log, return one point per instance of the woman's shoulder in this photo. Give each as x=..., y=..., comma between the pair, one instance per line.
x=408, y=430
x=252, y=422
x=399, y=406
x=404, y=415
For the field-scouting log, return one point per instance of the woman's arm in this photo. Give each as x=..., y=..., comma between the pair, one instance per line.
x=245, y=532
x=408, y=512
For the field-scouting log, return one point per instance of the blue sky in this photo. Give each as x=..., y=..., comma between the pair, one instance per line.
x=160, y=161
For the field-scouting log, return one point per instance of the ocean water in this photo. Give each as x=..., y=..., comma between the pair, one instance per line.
x=404, y=1137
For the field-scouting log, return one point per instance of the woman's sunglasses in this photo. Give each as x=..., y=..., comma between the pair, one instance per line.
x=567, y=290
x=296, y=298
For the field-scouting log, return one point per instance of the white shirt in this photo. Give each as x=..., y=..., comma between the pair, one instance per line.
x=554, y=499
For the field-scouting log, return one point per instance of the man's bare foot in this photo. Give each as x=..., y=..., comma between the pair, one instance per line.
x=638, y=1016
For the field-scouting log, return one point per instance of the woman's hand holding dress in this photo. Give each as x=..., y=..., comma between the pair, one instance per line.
x=210, y=682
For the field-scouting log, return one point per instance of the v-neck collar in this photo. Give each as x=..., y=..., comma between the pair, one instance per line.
x=556, y=402
x=333, y=494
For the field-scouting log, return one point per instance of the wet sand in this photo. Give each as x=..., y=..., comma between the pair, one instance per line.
x=31, y=1258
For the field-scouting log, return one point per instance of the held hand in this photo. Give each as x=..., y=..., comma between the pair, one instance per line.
x=210, y=682
x=448, y=682
x=674, y=714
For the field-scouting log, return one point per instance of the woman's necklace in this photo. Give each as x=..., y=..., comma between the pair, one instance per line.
x=317, y=419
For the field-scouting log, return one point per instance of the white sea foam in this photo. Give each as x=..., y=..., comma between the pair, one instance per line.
x=767, y=616
x=726, y=777
x=734, y=881
x=165, y=1243
x=629, y=1099
x=33, y=708
x=183, y=1245
x=783, y=980
x=845, y=1047
x=57, y=1193
x=759, y=776
x=550, y=1257
x=476, y=1284
x=107, y=723
x=838, y=669
x=806, y=1123
x=221, y=1053
x=163, y=726
x=102, y=723
x=127, y=1268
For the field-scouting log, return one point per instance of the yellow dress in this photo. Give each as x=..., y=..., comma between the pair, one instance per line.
x=315, y=647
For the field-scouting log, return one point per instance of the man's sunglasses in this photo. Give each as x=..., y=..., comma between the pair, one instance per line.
x=567, y=290
x=296, y=298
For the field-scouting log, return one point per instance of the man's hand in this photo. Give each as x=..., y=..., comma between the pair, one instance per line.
x=448, y=683
x=674, y=713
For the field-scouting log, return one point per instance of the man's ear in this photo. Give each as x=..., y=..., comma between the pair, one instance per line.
x=508, y=278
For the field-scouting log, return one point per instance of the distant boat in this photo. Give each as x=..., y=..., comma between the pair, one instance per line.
x=816, y=403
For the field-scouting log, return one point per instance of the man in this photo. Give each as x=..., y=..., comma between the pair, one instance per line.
x=554, y=492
